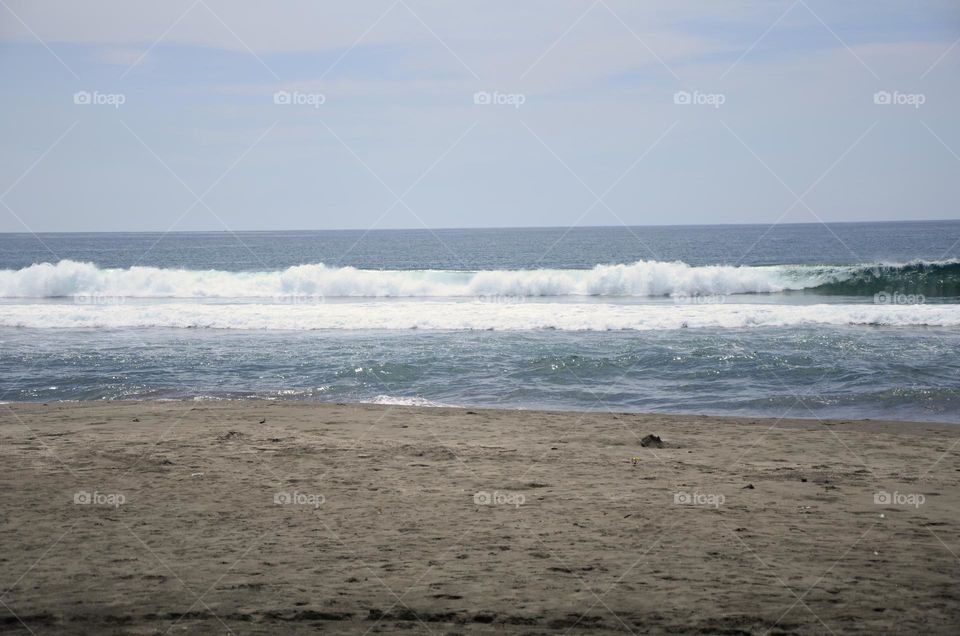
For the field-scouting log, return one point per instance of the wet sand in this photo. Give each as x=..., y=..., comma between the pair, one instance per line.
x=198, y=517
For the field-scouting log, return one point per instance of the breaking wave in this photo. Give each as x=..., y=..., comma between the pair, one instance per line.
x=643, y=278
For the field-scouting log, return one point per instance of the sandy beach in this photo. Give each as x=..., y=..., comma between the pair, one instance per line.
x=263, y=517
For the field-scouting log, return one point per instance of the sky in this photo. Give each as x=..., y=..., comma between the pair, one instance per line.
x=187, y=115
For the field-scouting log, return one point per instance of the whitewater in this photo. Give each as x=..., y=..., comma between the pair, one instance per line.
x=68, y=278
x=465, y=315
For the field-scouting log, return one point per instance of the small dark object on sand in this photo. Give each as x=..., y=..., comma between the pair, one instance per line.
x=652, y=440
x=263, y=420
x=748, y=487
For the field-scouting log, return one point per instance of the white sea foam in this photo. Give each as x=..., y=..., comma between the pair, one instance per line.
x=406, y=401
x=461, y=315
x=643, y=278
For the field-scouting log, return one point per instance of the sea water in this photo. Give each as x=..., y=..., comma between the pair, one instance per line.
x=846, y=320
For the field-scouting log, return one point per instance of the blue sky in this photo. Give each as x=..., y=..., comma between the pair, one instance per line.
x=589, y=131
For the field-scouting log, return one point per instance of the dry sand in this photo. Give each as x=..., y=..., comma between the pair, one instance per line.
x=581, y=536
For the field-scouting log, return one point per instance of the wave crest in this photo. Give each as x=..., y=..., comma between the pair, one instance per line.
x=643, y=278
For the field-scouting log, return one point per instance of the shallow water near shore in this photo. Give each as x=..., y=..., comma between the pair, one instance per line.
x=810, y=372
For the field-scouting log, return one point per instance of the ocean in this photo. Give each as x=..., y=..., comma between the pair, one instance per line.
x=858, y=320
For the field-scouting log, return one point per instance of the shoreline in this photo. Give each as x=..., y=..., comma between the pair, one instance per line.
x=844, y=423
x=399, y=519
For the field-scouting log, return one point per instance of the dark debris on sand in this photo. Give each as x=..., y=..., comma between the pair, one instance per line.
x=653, y=441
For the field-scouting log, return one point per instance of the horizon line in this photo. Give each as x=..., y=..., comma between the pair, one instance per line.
x=512, y=227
